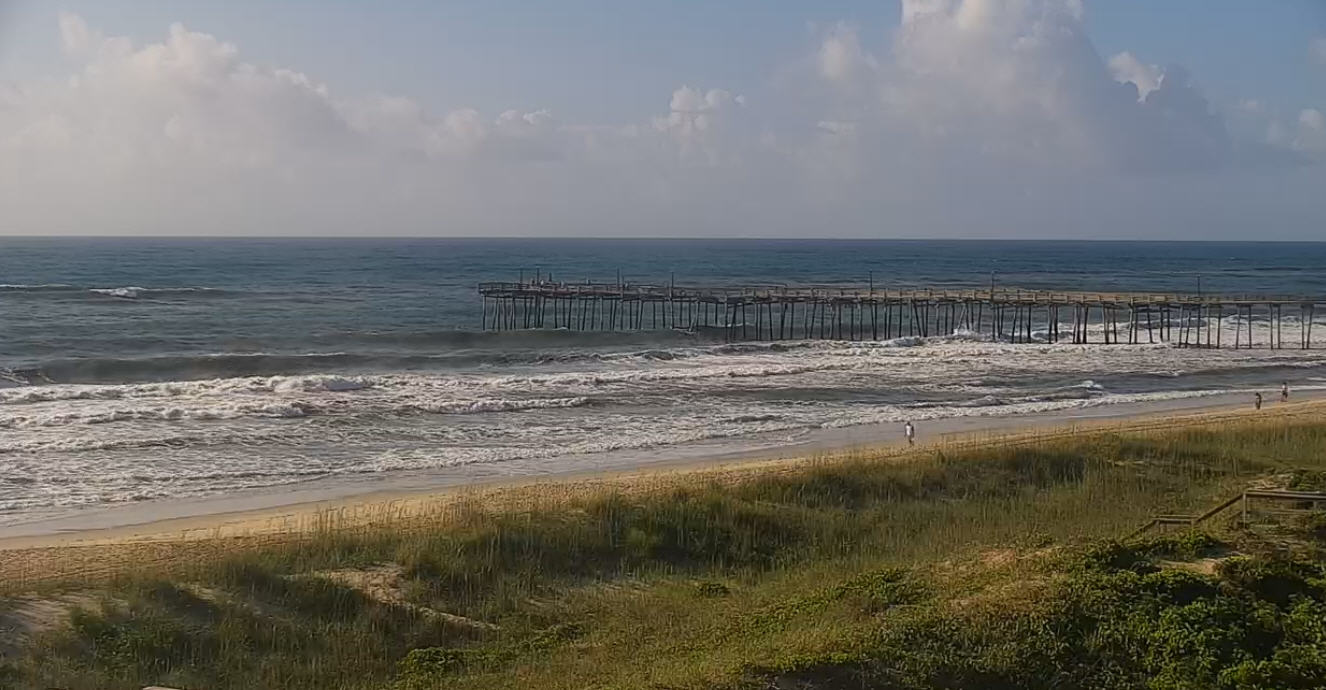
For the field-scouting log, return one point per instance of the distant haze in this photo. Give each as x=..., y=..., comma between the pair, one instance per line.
x=937, y=118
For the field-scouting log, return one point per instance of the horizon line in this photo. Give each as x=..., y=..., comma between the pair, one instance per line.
x=654, y=238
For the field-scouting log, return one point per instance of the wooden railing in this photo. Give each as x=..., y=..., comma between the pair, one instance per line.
x=1317, y=499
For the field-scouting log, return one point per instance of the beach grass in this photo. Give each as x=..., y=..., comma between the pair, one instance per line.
x=975, y=565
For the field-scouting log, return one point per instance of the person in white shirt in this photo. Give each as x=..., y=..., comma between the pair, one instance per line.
x=910, y=432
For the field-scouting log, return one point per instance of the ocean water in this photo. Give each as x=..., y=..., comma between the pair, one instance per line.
x=138, y=369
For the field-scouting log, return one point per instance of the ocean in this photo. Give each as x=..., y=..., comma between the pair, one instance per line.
x=144, y=369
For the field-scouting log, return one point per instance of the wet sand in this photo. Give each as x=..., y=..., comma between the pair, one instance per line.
x=297, y=507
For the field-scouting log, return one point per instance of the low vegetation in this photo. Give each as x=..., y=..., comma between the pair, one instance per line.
x=992, y=567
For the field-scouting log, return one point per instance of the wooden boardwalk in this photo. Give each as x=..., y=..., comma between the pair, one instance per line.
x=850, y=312
x=1294, y=502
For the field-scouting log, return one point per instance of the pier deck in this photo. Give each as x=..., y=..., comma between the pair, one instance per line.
x=857, y=312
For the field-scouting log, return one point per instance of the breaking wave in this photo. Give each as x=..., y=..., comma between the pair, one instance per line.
x=450, y=350
x=122, y=292
x=283, y=409
x=136, y=292
x=43, y=287
x=136, y=428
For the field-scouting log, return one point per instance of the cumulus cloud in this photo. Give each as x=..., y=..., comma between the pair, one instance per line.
x=1021, y=81
x=982, y=116
x=1128, y=69
x=700, y=122
x=692, y=110
x=842, y=60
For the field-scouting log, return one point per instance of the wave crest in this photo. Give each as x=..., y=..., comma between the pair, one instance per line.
x=284, y=409
x=136, y=292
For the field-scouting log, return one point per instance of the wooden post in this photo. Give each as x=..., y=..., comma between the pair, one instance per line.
x=1248, y=321
x=1312, y=316
x=1308, y=310
x=809, y=329
x=759, y=321
x=1279, y=337
x=1302, y=328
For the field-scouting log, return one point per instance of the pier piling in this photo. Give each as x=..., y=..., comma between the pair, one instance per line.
x=846, y=312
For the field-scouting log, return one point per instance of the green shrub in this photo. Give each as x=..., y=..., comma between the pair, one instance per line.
x=1277, y=580
x=1307, y=480
x=426, y=667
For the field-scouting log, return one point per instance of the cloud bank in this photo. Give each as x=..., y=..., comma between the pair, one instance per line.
x=984, y=118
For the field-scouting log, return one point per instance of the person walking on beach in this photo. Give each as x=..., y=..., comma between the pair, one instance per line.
x=1257, y=401
x=910, y=432
x=1284, y=392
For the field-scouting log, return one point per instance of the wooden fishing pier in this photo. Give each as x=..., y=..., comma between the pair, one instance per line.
x=855, y=312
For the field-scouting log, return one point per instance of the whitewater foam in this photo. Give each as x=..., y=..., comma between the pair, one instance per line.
x=40, y=287
x=78, y=444
x=135, y=291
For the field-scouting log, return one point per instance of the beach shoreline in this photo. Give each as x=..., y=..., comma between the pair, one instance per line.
x=291, y=510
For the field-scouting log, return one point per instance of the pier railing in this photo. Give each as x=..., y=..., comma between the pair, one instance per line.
x=856, y=312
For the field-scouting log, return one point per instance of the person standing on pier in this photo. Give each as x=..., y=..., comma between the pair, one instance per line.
x=910, y=432
x=1284, y=392
x=1257, y=401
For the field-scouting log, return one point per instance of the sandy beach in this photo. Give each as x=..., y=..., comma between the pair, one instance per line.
x=318, y=505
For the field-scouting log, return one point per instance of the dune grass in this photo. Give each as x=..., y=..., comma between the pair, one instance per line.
x=821, y=572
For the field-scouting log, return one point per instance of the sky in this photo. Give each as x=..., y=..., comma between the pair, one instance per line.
x=1075, y=119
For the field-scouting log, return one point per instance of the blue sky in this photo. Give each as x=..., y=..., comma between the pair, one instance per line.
x=606, y=60
x=758, y=70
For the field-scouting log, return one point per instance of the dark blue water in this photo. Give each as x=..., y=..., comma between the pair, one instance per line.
x=180, y=298
x=141, y=369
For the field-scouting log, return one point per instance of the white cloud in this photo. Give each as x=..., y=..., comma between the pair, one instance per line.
x=700, y=122
x=1317, y=50
x=693, y=108
x=75, y=37
x=1018, y=82
x=841, y=58
x=983, y=116
x=1128, y=69
x=837, y=128
x=1311, y=133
